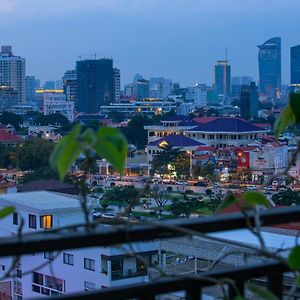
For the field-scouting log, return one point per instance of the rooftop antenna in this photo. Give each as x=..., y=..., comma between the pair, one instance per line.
x=226, y=58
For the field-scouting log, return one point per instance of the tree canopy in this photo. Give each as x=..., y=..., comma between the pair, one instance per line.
x=12, y=119
x=53, y=119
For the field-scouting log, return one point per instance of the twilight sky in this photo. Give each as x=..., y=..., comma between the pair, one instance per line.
x=177, y=39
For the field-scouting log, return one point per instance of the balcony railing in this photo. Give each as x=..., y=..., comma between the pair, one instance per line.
x=54, y=241
x=119, y=275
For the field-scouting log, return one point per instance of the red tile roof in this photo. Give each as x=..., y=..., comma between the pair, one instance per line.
x=8, y=137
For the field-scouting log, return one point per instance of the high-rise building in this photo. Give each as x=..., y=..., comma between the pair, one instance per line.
x=223, y=77
x=95, y=84
x=30, y=88
x=197, y=94
x=137, y=77
x=12, y=72
x=117, y=85
x=237, y=82
x=8, y=97
x=249, y=101
x=129, y=89
x=160, y=88
x=49, y=85
x=142, y=89
x=269, y=60
x=295, y=65
x=70, y=86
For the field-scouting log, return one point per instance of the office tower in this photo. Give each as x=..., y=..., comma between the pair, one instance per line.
x=8, y=97
x=223, y=77
x=12, y=72
x=58, y=84
x=212, y=96
x=160, y=88
x=295, y=65
x=129, y=89
x=197, y=94
x=249, y=101
x=269, y=60
x=49, y=85
x=137, y=77
x=70, y=86
x=237, y=82
x=117, y=85
x=37, y=83
x=30, y=88
x=95, y=84
x=142, y=89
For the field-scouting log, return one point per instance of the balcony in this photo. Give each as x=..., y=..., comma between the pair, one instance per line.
x=120, y=275
x=269, y=273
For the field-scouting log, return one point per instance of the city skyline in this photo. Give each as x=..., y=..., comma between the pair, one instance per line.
x=157, y=31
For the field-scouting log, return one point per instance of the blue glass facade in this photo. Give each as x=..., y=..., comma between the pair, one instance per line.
x=269, y=60
x=95, y=84
x=223, y=78
x=142, y=88
x=249, y=101
x=295, y=65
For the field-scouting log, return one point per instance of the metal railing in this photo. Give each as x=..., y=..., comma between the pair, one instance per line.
x=192, y=286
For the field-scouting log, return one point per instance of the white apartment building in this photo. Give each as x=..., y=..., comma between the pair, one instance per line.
x=70, y=85
x=197, y=94
x=56, y=103
x=70, y=270
x=12, y=72
x=117, y=85
x=129, y=89
x=269, y=159
x=160, y=88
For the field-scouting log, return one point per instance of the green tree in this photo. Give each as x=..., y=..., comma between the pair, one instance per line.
x=12, y=119
x=286, y=197
x=34, y=154
x=53, y=119
x=128, y=195
x=170, y=160
x=135, y=132
x=161, y=198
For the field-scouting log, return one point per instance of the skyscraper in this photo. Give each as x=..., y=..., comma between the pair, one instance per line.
x=142, y=89
x=295, y=65
x=30, y=88
x=249, y=101
x=117, y=85
x=12, y=72
x=160, y=88
x=223, y=77
x=269, y=60
x=95, y=84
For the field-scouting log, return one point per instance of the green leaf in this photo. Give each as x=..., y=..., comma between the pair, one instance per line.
x=256, y=199
x=112, y=145
x=295, y=105
x=4, y=212
x=228, y=201
x=298, y=281
x=263, y=293
x=285, y=119
x=66, y=152
x=89, y=137
x=294, y=258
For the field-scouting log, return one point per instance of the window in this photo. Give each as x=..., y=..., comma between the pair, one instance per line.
x=104, y=264
x=32, y=221
x=47, y=285
x=46, y=221
x=49, y=255
x=69, y=259
x=89, y=264
x=15, y=218
x=89, y=286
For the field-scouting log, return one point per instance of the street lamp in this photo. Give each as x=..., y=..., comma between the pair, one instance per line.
x=191, y=162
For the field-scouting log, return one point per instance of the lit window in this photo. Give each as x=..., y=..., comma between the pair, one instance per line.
x=46, y=221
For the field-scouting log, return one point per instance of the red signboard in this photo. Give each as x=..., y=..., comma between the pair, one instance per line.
x=243, y=159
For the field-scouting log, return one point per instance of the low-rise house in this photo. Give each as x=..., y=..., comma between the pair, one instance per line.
x=51, y=273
